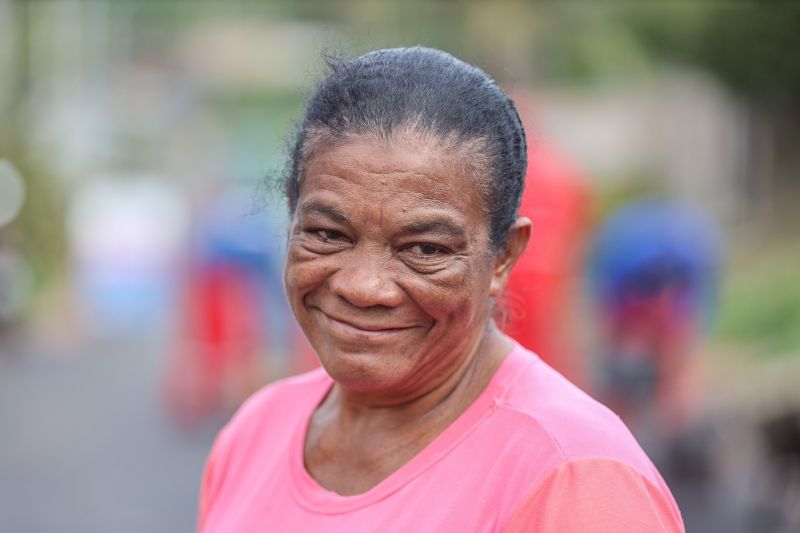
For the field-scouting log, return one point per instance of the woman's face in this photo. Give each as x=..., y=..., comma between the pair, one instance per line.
x=389, y=269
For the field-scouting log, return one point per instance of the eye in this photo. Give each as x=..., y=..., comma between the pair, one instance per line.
x=328, y=235
x=324, y=239
x=427, y=250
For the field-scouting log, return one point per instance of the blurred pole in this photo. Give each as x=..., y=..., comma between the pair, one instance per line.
x=20, y=75
x=37, y=233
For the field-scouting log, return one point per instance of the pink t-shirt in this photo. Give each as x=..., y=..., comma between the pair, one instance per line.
x=532, y=453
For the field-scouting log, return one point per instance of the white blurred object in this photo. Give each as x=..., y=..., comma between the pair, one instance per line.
x=12, y=192
x=125, y=236
x=681, y=128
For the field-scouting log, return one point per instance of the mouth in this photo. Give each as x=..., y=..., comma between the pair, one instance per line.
x=351, y=328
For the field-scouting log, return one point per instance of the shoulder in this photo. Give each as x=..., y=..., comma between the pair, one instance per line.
x=596, y=495
x=269, y=415
x=593, y=458
x=295, y=390
x=274, y=407
x=577, y=425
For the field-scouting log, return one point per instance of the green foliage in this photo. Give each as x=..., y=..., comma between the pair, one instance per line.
x=38, y=231
x=761, y=305
x=750, y=44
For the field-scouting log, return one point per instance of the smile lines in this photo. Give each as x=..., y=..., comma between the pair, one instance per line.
x=374, y=328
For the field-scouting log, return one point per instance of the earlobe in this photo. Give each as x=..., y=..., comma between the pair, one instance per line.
x=517, y=241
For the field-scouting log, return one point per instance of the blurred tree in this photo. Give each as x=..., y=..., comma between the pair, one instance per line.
x=38, y=230
x=748, y=44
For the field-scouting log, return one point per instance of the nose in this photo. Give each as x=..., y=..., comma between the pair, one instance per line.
x=367, y=282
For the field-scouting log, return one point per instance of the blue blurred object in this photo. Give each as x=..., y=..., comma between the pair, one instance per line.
x=233, y=233
x=648, y=245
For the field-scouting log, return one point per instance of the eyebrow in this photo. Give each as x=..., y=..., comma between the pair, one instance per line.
x=437, y=225
x=434, y=226
x=325, y=210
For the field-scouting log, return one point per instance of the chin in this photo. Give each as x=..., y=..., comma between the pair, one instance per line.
x=364, y=371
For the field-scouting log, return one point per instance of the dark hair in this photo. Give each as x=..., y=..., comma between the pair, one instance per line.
x=430, y=92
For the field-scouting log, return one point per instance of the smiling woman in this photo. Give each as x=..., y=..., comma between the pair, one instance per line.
x=403, y=190
x=390, y=239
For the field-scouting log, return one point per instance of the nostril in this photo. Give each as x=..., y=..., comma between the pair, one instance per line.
x=366, y=287
x=375, y=307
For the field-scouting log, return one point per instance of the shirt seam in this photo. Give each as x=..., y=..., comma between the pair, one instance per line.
x=537, y=486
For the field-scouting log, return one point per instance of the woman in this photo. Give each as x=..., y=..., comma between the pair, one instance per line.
x=403, y=192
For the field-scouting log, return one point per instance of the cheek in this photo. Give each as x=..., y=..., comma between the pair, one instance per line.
x=303, y=271
x=458, y=292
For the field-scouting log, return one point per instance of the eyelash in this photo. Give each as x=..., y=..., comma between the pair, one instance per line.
x=329, y=236
x=439, y=250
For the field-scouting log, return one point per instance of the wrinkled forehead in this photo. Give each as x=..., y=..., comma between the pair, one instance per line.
x=410, y=164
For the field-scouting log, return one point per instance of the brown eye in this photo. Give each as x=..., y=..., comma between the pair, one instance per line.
x=427, y=250
x=329, y=235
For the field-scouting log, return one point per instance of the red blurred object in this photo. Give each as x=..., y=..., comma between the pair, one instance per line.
x=538, y=291
x=224, y=335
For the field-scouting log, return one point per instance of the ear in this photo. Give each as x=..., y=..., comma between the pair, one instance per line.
x=516, y=241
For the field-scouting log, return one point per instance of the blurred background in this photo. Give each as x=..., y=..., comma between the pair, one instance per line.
x=142, y=233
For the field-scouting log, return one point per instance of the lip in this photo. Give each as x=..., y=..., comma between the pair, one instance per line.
x=349, y=328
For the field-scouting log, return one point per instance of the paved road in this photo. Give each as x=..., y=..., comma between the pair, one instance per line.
x=85, y=446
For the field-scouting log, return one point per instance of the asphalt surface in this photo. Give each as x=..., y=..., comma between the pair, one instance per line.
x=85, y=445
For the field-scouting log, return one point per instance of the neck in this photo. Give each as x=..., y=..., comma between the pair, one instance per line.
x=355, y=439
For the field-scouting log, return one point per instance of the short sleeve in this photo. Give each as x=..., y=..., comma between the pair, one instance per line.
x=596, y=496
x=212, y=479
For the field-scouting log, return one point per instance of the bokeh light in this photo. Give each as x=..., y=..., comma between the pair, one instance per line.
x=12, y=192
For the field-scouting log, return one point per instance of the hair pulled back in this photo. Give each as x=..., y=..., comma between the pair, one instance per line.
x=433, y=93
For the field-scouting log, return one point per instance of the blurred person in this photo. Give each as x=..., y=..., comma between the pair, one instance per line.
x=653, y=274
x=538, y=295
x=404, y=186
x=234, y=328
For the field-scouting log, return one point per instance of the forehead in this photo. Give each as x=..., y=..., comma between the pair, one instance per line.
x=406, y=173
